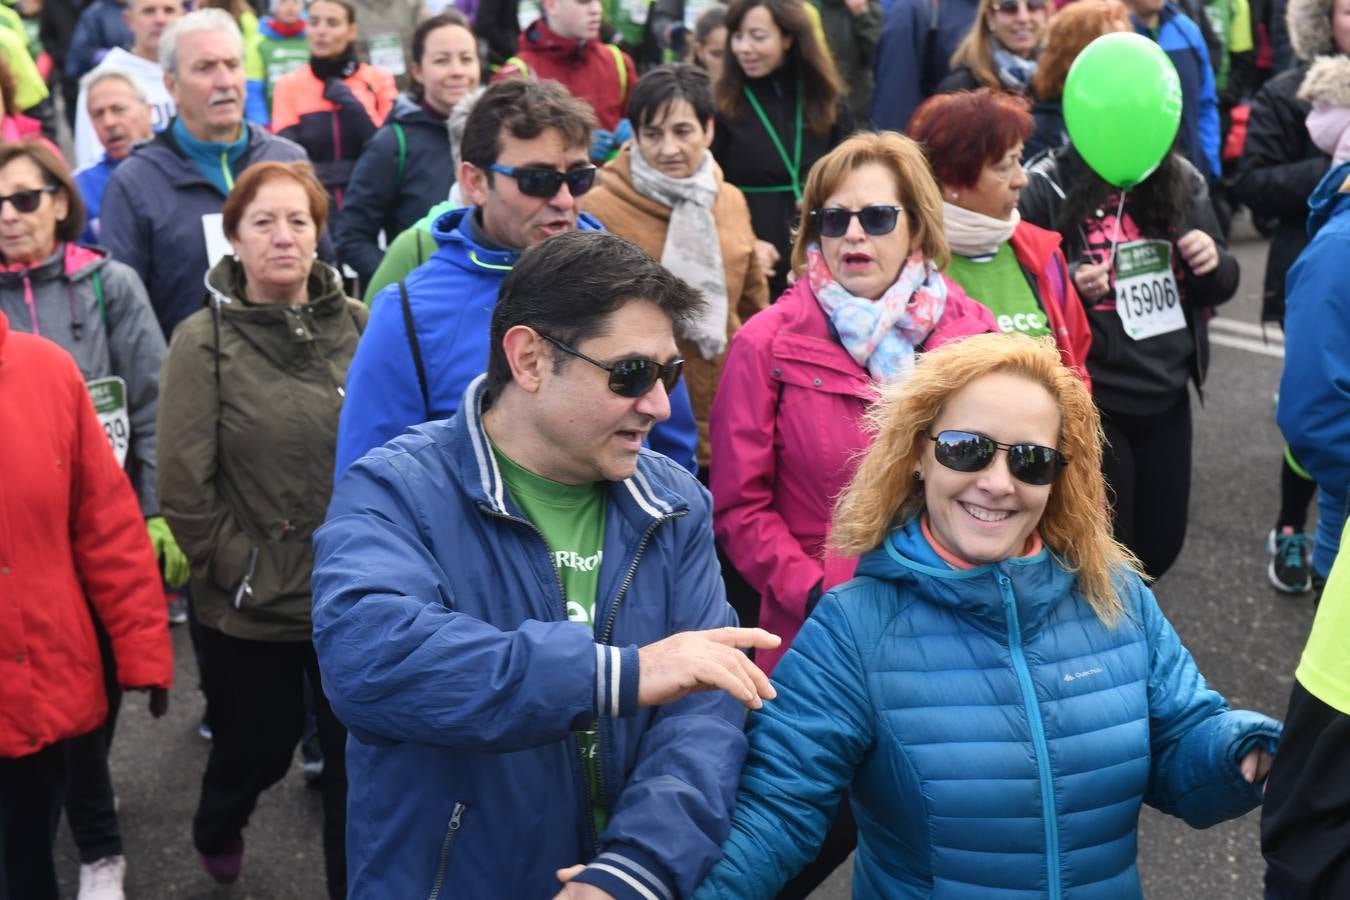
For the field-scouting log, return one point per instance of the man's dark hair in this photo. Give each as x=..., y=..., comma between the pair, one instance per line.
x=525, y=108
x=663, y=85
x=568, y=286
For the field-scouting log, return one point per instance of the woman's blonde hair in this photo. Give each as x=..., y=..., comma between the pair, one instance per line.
x=917, y=189
x=976, y=50
x=1076, y=523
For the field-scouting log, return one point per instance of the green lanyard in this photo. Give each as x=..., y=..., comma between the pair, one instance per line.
x=793, y=165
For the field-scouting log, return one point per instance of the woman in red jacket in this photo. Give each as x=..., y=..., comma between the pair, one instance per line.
x=72, y=541
x=1013, y=267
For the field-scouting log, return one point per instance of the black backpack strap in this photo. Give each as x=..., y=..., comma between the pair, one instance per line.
x=416, y=348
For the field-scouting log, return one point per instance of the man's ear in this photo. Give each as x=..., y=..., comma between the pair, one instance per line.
x=473, y=183
x=171, y=85
x=525, y=353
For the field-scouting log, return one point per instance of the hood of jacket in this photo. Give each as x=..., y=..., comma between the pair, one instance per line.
x=267, y=29
x=1330, y=197
x=542, y=39
x=226, y=288
x=71, y=260
x=1328, y=80
x=1039, y=583
x=455, y=239
x=1309, y=23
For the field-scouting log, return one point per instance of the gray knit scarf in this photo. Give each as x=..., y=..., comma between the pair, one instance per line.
x=692, y=250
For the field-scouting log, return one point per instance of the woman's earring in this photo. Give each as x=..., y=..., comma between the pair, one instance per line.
x=954, y=195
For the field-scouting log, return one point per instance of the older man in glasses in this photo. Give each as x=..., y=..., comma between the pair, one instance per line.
x=519, y=615
x=525, y=166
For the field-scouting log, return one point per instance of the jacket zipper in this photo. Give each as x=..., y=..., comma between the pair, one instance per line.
x=451, y=830
x=578, y=763
x=246, y=583
x=605, y=635
x=1038, y=741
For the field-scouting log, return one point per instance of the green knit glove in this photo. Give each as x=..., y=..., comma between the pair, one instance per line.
x=171, y=559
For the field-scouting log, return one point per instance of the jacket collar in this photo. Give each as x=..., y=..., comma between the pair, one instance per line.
x=543, y=39
x=1039, y=581
x=454, y=236
x=223, y=284
x=1034, y=245
x=642, y=498
x=1331, y=195
x=181, y=171
x=617, y=177
x=69, y=259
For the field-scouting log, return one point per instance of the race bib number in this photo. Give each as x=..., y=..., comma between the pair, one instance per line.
x=217, y=245
x=110, y=402
x=1146, y=290
x=386, y=51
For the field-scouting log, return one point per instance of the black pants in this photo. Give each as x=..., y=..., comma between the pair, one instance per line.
x=1305, y=821
x=256, y=693
x=1147, y=464
x=742, y=597
x=31, y=790
x=90, y=801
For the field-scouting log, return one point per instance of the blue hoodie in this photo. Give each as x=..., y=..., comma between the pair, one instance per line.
x=1182, y=41
x=1314, y=409
x=996, y=738
x=451, y=296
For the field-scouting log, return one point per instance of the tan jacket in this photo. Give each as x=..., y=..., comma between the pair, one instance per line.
x=643, y=221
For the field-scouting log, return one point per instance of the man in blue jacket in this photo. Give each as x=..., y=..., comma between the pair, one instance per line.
x=519, y=616
x=918, y=38
x=428, y=336
x=1184, y=43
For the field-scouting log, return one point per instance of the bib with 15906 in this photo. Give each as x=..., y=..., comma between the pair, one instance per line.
x=1146, y=290
x=110, y=402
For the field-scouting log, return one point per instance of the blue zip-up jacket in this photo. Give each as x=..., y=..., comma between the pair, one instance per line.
x=92, y=180
x=997, y=739
x=918, y=38
x=1314, y=408
x=451, y=296
x=1184, y=44
x=446, y=650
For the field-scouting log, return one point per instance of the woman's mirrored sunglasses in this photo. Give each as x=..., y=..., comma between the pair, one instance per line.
x=630, y=377
x=1009, y=7
x=545, y=183
x=27, y=201
x=832, y=221
x=969, y=451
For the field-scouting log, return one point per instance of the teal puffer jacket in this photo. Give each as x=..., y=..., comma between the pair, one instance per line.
x=997, y=739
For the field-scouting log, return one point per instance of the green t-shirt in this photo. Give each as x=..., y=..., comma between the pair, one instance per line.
x=998, y=282
x=572, y=519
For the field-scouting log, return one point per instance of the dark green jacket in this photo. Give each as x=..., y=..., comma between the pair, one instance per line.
x=249, y=402
x=853, y=44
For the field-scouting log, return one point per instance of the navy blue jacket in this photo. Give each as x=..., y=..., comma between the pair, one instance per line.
x=997, y=739
x=451, y=296
x=152, y=218
x=1181, y=39
x=918, y=38
x=100, y=28
x=1314, y=409
x=446, y=650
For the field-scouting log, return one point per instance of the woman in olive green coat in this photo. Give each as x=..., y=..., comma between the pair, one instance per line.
x=249, y=401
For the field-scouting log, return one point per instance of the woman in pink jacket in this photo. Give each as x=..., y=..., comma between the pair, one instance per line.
x=786, y=425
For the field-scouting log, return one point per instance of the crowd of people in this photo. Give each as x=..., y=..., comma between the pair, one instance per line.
x=660, y=450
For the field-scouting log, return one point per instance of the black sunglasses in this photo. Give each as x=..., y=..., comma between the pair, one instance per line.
x=630, y=377
x=1009, y=7
x=27, y=201
x=833, y=221
x=967, y=451
x=545, y=183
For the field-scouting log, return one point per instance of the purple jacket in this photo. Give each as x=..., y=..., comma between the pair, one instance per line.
x=786, y=428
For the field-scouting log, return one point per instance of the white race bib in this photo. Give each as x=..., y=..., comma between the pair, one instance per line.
x=110, y=402
x=1146, y=290
x=217, y=245
x=386, y=50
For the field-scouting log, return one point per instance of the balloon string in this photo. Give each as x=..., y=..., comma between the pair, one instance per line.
x=1115, y=237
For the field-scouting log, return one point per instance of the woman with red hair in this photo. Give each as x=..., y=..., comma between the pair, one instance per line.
x=1013, y=267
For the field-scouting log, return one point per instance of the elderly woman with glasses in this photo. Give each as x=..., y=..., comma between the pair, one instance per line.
x=786, y=421
x=1001, y=47
x=997, y=689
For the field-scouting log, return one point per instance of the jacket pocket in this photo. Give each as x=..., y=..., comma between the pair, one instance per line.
x=243, y=593
x=817, y=365
x=447, y=845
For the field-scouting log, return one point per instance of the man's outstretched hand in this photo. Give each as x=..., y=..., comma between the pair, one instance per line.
x=705, y=661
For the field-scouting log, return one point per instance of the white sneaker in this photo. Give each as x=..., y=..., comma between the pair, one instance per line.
x=102, y=879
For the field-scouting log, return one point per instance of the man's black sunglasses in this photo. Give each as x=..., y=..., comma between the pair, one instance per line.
x=27, y=201
x=832, y=221
x=545, y=183
x=630, y=377
x=969, y=451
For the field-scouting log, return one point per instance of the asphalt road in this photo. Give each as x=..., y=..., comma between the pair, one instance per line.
x=1245, y=636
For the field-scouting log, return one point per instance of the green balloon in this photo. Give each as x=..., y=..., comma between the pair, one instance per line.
x=1122, y=106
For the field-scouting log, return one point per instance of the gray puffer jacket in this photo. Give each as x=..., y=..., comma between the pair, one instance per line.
x=96, y=309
